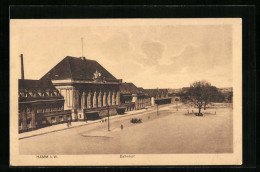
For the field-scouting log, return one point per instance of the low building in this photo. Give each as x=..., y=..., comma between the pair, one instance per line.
x=147, y=98
x=40, y=104
x=133, y=98
x=158, y=96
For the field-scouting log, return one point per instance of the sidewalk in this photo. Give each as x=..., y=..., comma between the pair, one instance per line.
x=60, y=127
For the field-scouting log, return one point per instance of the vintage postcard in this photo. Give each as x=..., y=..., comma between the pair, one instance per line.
x=108, y=92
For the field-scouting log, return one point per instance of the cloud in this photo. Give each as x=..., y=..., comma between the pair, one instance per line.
x=189, y=59
x=198, y=59
x=127, y=74
x=116, y=46
x=153, y=51
x=148, y=55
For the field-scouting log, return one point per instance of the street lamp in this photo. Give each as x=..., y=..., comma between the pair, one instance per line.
x=157, y=110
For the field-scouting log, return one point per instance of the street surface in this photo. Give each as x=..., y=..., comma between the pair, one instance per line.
x=169, y=132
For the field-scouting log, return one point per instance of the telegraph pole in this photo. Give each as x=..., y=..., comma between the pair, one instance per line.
x=157, y=101
x=22, y=69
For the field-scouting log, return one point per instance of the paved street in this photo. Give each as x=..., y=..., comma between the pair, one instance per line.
x=169, y=132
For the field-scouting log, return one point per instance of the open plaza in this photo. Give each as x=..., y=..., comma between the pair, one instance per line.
x=169, y=130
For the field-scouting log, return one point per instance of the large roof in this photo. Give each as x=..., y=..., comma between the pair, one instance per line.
x=77, y=69
x=35, y=84
x=128, y=88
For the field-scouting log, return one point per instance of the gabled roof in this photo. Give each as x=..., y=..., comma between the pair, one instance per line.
x=35, y=84
x=77, y=69
x=140, y=89
x=128, y=88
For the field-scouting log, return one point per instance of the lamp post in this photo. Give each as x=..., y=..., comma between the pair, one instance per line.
x=157, y=110
x=176, y=100
x=108, y=129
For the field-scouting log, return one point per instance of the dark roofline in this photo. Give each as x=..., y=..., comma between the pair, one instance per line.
x=34, y=84
x=72, y=70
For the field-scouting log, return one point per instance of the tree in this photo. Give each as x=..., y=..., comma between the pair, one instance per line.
x=183, y=94
x=201, y=93
x=230, y=96
x=210, y=93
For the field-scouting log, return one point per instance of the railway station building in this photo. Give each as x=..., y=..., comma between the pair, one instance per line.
x=87, y=87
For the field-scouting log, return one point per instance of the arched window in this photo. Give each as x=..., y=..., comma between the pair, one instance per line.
x=39, y=92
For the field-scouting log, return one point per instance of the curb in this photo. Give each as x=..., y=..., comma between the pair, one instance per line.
x=73, y=127
x=56, y=130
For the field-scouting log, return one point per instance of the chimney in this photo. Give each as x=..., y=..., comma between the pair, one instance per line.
x=22, y=70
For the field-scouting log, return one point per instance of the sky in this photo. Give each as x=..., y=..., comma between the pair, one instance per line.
x=149, y=53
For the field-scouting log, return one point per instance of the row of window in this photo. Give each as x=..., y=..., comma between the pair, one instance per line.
x=49, y=109
x=39, y=93
x=44, y=109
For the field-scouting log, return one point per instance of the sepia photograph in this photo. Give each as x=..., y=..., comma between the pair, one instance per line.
x=126, y=91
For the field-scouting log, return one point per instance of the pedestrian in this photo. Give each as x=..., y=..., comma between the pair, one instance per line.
x=68, y=125
x=70, y=122
x=105, y=120
x=122, y=127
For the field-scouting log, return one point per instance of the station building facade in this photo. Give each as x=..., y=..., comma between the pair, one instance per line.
x=89, y=90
